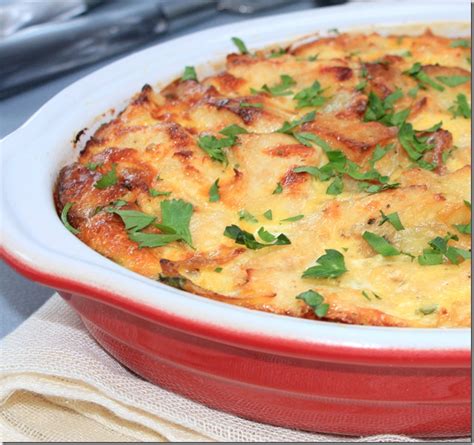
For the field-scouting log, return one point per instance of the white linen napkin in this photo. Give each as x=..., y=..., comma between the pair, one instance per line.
x=58, y=384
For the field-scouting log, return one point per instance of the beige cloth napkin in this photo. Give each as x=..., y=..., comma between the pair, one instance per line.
x=57, y=384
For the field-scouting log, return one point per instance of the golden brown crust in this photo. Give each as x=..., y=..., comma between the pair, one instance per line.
x=153, y=149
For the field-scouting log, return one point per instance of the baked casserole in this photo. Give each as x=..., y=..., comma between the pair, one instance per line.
x=327, y=180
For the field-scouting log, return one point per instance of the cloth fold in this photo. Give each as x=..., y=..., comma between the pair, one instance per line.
x=58, y=384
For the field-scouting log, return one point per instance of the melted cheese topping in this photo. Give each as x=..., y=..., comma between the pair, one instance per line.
x=153, y=144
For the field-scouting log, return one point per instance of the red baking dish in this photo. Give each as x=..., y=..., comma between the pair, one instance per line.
x=306, y=374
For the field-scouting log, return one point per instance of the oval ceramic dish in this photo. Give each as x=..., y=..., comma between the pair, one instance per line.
x=317, y=376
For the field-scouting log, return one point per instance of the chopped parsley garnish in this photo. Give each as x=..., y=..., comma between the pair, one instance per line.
x=465, y=228
x=175, y=218
x=339, y=164
x=379, y=110
x=393, y=219
x=292, y=218
x=278, y=189
x=329, y=265
x=92, y=166
x=378, y=153
x=423, y=79
x=336, y=187
x=460, y=43
x=461, y=107
x=315, y=301
x=310, y=97
x=233, y=130
x=247, y=216
x=153, y=239
x=414, y=145
x=214, y=147
x=176, y=214
x=153, y=192
x=189, y=74
x=240, y=45
x=309, y=138
x=108, y=179
x=248, y=240
x=134, y=220
x=218, y=269
x=251, y=105
x=380, y=244
x=214, y=191
x=439, y=249
x=64, y=219
x=406, y=54
x=361, y=85
x=277, y=53
x=288, y=127
x=428, y=309
x=280, y=89
x=268, y=215
x=412, y=92
x=453, y=81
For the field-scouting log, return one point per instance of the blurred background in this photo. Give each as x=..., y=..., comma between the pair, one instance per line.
x=45, y=45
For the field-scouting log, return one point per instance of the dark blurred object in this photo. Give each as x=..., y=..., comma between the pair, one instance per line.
x=54, y=45
x=15, y=15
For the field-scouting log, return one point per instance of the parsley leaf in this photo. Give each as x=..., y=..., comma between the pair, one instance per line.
x=380, y=244
x=134, y=220
x=336, y=187
x=155, y=193
x=240, y=45
x=247, y=216
x=214, y=191
x=233, y=130
x=423, y=79
x=247, y=239
x=214, y=147
x=461, y=107
x=310, y=97
x=280, y=89
x=329, y=265
x=288, y=127
x=439, y=249
x=64, y=219
x=218, y=269
x=393, y=219
x=414, y=145
x=292, y=218
x=278, y=189
x=308, y=139
x=108, y=179
x=176, y=214
x=92, y=166
x=453, y=81
x=379, y=110
x=460, y=43
x=315, y=301
x=361, y=85
x=153, y=239
x=268, y=215
x=465, y=228
x=277, y=53
x=189, y=74
x=428, y=309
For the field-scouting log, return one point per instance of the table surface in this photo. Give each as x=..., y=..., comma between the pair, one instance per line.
x=19, y=297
